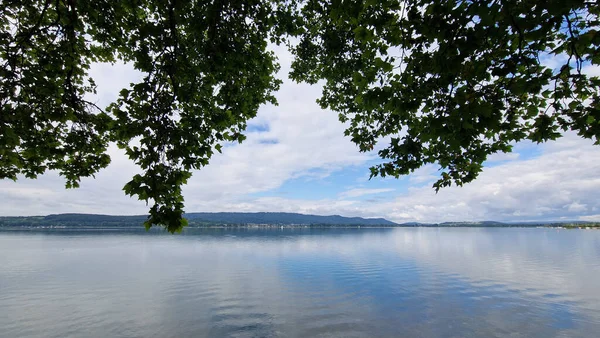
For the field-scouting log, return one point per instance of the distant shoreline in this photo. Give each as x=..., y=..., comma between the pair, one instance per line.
x=295, y=227
x=231, y=220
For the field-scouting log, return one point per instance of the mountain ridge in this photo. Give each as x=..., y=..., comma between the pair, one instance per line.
x=199, y=218
x=211, y=219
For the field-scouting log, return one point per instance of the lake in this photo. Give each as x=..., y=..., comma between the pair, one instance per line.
x=402, y=282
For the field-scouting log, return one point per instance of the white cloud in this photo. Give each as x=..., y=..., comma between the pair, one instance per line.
x=591, y=218
x=427, y=174
x=362, y=191
x=544, y=187
x=307, y=138
x=502, y=157
x=561, y=183
x=591, y=70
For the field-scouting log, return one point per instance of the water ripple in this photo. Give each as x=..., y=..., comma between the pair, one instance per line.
x=334, y=283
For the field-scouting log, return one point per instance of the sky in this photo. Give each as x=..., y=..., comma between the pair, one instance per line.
x=296, y=159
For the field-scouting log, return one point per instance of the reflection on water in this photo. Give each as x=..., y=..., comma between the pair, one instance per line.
x=300, y=283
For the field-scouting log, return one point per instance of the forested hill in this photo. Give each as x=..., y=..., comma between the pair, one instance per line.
x=208, y=219
x=282, y=218
x=195, y=219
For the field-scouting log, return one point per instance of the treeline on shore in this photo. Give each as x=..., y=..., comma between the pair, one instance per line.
x=252, y=220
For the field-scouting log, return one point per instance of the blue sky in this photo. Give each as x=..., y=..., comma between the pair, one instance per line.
x=296, y=159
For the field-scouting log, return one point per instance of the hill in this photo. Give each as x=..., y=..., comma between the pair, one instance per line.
x=266, y=219
x=282, y=218
x=197, y=219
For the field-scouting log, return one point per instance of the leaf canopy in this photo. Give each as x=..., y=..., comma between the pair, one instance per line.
x=451, y=82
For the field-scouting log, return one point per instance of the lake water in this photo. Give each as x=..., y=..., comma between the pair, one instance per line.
x=404, y=282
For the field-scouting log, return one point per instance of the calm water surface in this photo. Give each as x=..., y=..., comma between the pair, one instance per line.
x=301, y=283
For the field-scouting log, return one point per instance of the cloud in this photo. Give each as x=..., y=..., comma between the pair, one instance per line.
x=361, y=192
x=590, y=218
x=310, y=143
x=502, y=157
x=561, y=183
x=426, y=174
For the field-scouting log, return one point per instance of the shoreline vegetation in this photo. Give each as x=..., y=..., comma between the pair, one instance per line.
x=257, y=220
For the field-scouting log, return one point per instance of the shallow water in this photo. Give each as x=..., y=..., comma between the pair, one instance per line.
x=404, y=282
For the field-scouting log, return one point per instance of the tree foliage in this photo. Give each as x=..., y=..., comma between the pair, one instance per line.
x=444, y=82
x=451, y=82
x=206, y=70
